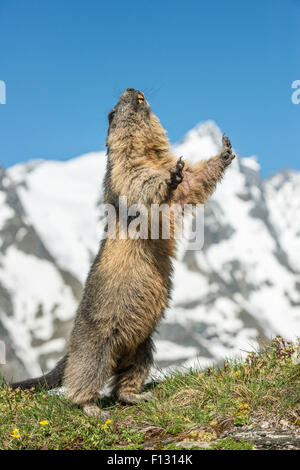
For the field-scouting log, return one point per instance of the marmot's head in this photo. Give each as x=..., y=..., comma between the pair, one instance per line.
x=133, y=128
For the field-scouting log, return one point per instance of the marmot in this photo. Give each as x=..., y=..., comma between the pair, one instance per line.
x=129, y=284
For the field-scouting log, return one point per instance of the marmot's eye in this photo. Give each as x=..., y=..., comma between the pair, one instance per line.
x=111, y=115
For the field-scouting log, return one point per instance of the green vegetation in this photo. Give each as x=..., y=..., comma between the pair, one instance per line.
x=230, y=444
x=192, y=406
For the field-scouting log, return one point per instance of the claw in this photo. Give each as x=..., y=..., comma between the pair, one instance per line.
x=176, y=174
x=180, y=163
x=226, y=141
x=227, y=154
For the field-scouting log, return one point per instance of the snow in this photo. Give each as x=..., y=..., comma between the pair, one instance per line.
x=33, y=284
x=5, y=211
x=283, y=191
x=60, y=199
x=252, y=163
x=167, y=350
x=188, y=284
x=204, y=141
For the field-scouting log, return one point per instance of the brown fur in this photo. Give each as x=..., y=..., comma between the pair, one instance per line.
x=129, y=283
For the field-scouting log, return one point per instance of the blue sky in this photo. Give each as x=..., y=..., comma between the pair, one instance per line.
x=66, y=62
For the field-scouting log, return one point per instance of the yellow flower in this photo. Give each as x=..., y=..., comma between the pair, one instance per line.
x=108, y=421
x=237, y=373
x=15, y=434
x=44, y=423
x=199, y=377
x=244, y=407
x=213, y=423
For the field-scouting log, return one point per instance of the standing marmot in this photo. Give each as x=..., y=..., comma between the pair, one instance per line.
x=128, y=287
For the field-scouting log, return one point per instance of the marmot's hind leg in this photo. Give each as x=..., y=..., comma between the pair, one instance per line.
x=129, y=381
x=87, y=371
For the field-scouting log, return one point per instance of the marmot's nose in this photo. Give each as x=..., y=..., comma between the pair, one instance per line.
x=129, y=93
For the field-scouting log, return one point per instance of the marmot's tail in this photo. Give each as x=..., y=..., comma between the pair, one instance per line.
x=51, y=380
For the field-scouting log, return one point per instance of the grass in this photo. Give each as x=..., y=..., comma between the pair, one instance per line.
x=196, y=406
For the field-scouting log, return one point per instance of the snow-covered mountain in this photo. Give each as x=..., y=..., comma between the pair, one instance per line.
x=243, y=285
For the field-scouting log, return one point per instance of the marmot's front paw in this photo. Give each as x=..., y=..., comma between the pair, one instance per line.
x=176, y=174
x=226, y=154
